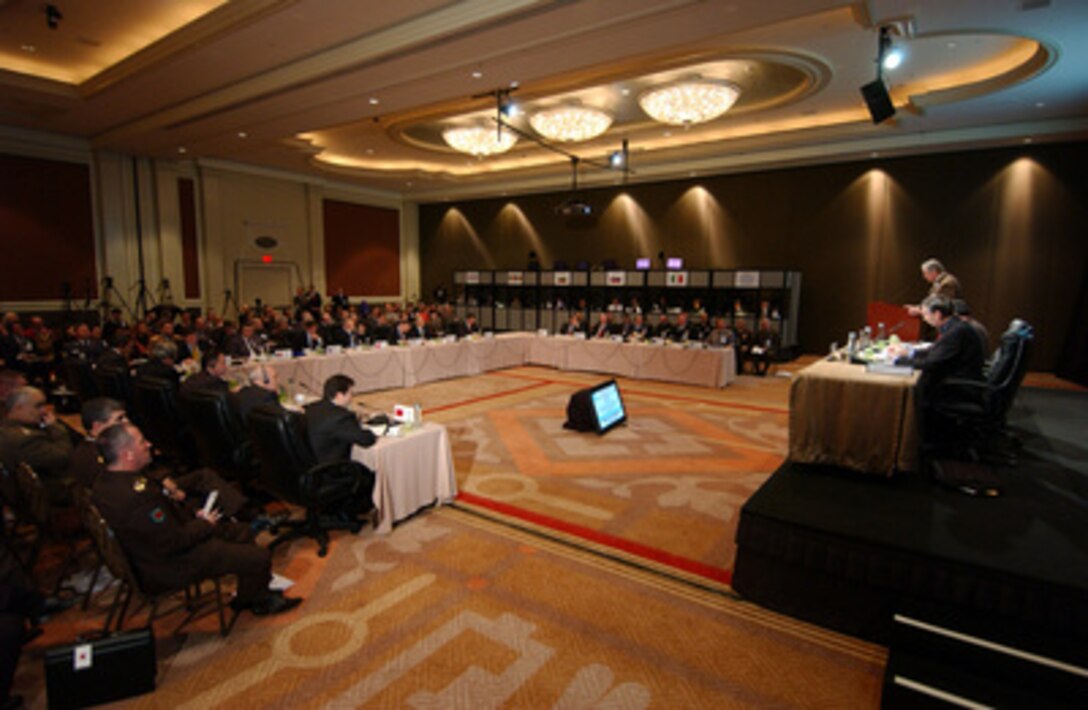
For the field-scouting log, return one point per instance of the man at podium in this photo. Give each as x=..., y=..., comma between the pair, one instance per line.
x=941, y=283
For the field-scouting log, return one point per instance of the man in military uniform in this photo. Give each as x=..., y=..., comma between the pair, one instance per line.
x=167, y=550
x=30, y=433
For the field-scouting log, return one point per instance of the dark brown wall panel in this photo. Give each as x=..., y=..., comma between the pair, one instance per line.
x=190, y=253
x=362, y=249
x=1010, y=223
x=46, y=229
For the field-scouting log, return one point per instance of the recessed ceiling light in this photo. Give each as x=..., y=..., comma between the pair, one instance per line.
x=1040, y=104
x=374, y=101
x=625, y=91
x=29, y=48
x=370, y=151
x=243, y=134
x=477, y=74
x=182, y=149
x=1027, y=141
x=514, y=84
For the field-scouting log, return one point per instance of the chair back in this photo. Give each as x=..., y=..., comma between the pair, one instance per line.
x=279, y=437
x=1009, y=367
x=109, y=547
x=115, y=383
x=33, y=497
x=220, y=441
x=161, y=421
x=79, y=376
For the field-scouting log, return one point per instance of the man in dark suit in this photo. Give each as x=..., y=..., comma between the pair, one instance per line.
x=244, y=344
x=333, y=429
x=467, y=327
x=168, y=549
x=163, y=355
x=956, y=354
x=261, y=390
x=212, y=374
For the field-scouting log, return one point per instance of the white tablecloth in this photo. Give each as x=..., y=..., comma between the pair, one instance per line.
x=407, y=366
x=411, y=472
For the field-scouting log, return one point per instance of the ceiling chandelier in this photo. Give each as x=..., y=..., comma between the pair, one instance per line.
x=570, y=124
x=479, y=140
x=689, y=102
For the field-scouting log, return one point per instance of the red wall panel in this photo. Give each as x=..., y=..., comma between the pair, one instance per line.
x=362, y=249
x=46, y=229
x=190, y=255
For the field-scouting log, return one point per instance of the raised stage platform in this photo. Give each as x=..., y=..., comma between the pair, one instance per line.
x=848, y=551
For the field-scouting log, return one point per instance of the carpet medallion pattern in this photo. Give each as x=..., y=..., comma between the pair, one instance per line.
x=451, y=611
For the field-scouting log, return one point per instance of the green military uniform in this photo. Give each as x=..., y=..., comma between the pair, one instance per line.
x=45, y=449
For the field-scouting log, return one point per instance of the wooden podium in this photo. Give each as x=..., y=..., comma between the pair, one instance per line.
x=895, y=319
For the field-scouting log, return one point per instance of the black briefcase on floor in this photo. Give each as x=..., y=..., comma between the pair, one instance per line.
x=101, y=670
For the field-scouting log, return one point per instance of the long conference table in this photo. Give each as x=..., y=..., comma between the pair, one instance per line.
x=406, y=366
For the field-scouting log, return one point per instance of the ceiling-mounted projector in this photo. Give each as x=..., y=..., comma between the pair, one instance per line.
x=574, y=208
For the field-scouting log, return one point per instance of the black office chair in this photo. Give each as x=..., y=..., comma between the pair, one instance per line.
x=979, y=410
x=115, y=383
x=333, y=494
x=161, y=421
x=221, y=443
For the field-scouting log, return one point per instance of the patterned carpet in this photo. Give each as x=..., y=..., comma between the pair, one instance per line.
x=664, y=490
x=451, y=611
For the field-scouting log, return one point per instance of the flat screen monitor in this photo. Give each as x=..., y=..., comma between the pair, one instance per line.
x=674, y=263
x=642, y=264
x=607, y=406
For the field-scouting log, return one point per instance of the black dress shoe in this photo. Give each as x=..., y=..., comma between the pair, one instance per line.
x=271, y=603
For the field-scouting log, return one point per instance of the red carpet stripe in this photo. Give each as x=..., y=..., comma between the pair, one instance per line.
x=617, y=543
x=484, y=398
x=655, y=395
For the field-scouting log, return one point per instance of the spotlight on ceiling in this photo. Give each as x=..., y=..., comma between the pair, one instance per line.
x=875, y=93
x=53, y=16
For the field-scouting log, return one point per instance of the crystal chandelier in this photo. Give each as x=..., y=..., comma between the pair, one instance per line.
x=689, y=102
x=570, y=124
x=479, y=140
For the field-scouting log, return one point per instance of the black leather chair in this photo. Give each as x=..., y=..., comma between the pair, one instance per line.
x=161, y=420
x=221, y=443
x=333, y=494
x=116, y=383
x=978, y=410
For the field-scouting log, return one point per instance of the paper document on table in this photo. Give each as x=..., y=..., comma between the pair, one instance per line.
x=881, y=368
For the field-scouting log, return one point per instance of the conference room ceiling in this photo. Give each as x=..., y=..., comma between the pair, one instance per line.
x=361, y=93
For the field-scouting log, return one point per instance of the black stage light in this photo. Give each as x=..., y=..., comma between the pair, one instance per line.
x=877, y=99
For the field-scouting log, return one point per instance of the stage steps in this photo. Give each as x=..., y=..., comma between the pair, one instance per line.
x=944, y=658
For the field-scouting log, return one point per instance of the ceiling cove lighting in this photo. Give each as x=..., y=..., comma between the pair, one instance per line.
x=570, y=124
x=689, y=102
x=479, y=140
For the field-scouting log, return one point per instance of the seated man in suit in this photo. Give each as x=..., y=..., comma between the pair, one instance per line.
x=212, y=375
x=467, y=327
x=333, y=429
x=163, y=354
x=721, y=335
x=261, y=390
x=574, y=326
x=244, y=344
x=957, y=353
x=168, y=549
x=603, y=329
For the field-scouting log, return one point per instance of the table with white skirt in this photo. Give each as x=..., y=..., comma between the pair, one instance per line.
x=392, y=367
x=411, y=471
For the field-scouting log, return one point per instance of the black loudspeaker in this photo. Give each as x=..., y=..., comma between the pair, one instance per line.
x=877, y=99
x=580, y=415
x=100, y=671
